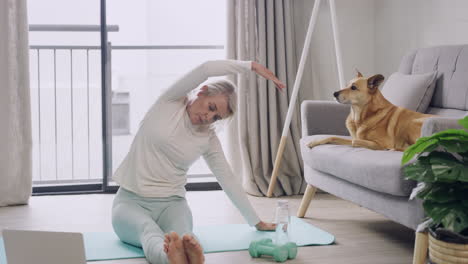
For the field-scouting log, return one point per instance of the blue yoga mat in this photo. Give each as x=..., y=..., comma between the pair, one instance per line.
x=217, y=238
x=2, y=252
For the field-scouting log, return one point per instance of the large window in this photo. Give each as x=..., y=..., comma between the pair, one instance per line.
x=151, y=43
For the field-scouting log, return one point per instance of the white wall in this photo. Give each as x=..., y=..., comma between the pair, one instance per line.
x=403, y=25
x=375, y=34
x=356, y=28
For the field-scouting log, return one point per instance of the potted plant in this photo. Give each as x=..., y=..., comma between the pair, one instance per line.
x=441, y=168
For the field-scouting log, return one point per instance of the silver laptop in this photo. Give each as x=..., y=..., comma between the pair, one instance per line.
x=43, y=247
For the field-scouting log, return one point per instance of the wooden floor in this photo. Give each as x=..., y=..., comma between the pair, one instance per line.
x=361, y=235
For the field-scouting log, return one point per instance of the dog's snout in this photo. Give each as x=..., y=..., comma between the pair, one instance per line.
x=336, y=94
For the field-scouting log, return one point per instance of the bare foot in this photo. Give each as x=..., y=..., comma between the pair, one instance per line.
x=193, y=249
x=174, y=248
x=166, y=243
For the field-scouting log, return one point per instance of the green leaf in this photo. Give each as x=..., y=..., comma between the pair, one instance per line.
x=445, y=173
x=425, y=191
x=444, y=192
x=457, y=137
x=464, y=122
x=453, y=215
x=458, y=133
x=446, y=167
x=450, y=173
x=435, y=210
x=456, y=219
x=418, y=147
x=430, y=148
x=464, y=174
x=420, y=171
x=441, y=194
x=457, y=146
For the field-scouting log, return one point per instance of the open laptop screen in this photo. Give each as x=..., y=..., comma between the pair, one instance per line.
x=25, y=246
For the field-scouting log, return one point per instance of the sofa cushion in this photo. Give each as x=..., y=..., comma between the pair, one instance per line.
x=451, y=63
x=411, y=91
x=377, y=170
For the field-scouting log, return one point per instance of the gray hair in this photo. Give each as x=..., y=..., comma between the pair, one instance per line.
x=224, y=87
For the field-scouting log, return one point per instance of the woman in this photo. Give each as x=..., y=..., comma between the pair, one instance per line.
x=149, y=209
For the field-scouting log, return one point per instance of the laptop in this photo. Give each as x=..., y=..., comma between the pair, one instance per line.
x=43, y=247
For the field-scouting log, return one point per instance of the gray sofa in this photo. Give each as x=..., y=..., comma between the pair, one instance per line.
x=370, y=178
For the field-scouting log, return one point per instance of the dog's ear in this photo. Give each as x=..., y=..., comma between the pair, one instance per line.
x=374, y=82
x=358, y=74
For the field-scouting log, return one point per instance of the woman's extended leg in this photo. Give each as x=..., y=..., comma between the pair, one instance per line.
x=134, y=224
x=177, y=217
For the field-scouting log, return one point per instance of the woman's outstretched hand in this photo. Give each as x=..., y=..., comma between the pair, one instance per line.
x=262, y=226
x=267, y=74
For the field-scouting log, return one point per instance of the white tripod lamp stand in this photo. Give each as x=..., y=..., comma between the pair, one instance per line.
x=297, y=82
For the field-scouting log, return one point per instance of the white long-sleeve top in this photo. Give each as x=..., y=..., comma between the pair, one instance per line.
x=167, y=144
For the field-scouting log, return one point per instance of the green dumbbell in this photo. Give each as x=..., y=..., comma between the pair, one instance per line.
x=292, y=249
x=290, y=246
x=263, y=247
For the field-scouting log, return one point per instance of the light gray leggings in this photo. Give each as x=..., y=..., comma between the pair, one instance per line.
x=142, y=221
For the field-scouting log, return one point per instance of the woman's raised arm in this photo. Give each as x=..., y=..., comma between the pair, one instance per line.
x=267, y=74
x=199, y=74
x=214, y=68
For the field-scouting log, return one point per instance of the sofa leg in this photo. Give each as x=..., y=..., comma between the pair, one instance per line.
x=308, y=195
x=421, y=243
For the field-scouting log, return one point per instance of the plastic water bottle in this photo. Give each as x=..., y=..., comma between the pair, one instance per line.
x=282, y=223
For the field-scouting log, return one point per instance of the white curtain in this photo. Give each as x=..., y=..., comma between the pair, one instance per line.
x=262, y=30
x=15, y=108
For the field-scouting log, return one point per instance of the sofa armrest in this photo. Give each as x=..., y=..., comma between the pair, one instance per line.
x=436, y=124
x=324, y=117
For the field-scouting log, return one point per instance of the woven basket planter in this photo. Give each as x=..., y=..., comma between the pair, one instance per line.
x=441, y=252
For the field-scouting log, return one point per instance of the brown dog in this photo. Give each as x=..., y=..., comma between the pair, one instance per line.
x=374, y=122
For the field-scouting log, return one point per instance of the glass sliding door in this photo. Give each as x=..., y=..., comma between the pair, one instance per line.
x=65, y=76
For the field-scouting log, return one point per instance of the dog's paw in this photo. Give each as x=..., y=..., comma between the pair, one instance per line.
x=312, y=144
